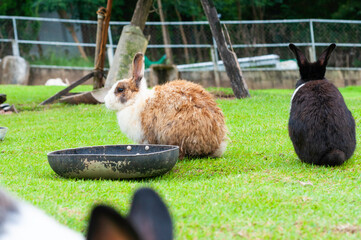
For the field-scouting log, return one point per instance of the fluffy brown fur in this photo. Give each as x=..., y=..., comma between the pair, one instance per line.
x=176, y=113
x=184, y=114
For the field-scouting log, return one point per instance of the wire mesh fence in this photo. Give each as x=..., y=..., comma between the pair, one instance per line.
x=59, y=42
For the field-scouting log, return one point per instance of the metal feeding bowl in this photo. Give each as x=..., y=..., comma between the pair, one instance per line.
x=114, y=161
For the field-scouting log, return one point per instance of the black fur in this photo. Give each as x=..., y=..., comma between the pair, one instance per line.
x=150, y=216
x=148, y=219
x=320, y=126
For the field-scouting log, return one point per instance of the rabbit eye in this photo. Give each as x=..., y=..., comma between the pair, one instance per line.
x=120, y=89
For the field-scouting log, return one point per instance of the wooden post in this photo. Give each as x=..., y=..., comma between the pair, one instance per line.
x=98, y=76
x=105, y=32
x=101, y=41
x=229, y=58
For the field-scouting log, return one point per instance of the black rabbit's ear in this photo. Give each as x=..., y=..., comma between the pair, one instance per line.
x=150, y=216
x=106, y=224
x=325, y=55
x=301, y=59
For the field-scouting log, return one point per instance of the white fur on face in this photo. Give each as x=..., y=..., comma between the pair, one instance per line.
x=128, y=114
x=31, y=223
x=111, y=101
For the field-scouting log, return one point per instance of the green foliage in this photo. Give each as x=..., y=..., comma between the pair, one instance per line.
x=266, y=9
x=83, y=9
x=348, y=10
x=16, y=7
x=186, y=8
x=356, y=63
x=258, y=190
x=86, y=9
x=190, y=10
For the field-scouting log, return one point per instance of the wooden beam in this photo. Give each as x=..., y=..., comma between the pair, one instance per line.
x=66, y=90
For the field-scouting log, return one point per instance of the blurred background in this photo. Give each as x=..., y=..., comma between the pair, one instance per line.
x=63, y=32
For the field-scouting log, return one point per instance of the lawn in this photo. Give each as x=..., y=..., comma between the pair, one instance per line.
x=259, y=189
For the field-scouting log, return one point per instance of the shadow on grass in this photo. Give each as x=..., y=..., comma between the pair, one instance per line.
x=185, y=169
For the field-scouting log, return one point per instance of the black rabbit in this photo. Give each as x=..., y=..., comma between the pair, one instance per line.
x=148, y=219
x=321, y=127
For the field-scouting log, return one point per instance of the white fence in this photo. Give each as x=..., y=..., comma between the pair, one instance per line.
x=45, y=39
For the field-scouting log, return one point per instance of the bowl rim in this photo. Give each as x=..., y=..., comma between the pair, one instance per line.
x=172, y=148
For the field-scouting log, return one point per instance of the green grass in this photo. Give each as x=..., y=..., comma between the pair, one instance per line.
x=255, y=191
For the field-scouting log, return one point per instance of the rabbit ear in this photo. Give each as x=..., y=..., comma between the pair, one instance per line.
x=150, y=216
x=138, y=68
x=106, y=224
x=325, y=55
x=301, y=59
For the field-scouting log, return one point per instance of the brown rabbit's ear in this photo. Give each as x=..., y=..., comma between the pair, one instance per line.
x=325, y=55
x=301, y=59
x=138, y=68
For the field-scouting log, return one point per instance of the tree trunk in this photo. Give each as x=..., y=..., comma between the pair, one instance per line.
x=165, y=33
x=183, y=35
x=141, y=13
x=229, y=58
x=131, y=41
x=62, y=13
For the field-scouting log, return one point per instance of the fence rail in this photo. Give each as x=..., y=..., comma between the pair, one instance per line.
x=42, y=39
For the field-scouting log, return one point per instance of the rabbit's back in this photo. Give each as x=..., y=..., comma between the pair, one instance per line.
x=184, y=114
x=320, y=122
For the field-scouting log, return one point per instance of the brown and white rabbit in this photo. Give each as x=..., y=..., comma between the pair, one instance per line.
x=320, y=126
x=176, y=113
x=148, y=219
